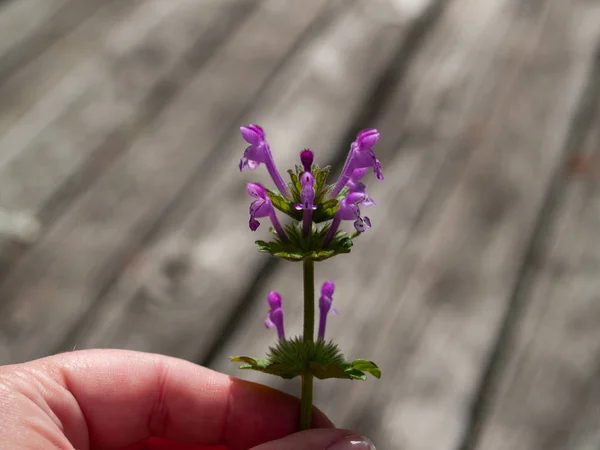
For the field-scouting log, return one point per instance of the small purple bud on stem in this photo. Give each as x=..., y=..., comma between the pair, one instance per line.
x=275, y=314
x=307, y=158
x=307, y=195
x=325, y=306
x=259, y=152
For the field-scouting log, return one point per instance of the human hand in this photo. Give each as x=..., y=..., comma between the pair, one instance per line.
x=116, y=399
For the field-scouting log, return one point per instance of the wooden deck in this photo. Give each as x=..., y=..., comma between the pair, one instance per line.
x=478, y=288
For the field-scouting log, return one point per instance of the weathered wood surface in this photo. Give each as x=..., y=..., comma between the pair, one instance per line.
x=546, y=395
x=475, y=288
x=298, y=100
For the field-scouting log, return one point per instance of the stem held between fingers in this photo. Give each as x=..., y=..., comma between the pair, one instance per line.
x=308, y=335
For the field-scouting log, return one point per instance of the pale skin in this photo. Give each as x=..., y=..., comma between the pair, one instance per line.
x=116, y=399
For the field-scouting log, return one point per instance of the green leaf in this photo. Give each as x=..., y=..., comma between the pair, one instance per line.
x=326, y=211
x=250, y=361
x=321, y=188
x=366, y=366
x=354, y=374
x=284, y=205
x=330, y=371
x=296, y=186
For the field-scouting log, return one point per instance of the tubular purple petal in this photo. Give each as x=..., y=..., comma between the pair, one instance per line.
x=275, y=315
x=262, y=207
x=368, y=138
x=360, y=156
x=355, y=185
x=256, y=190
x=259, y=152
x=252, y=134
x=335, y=224
x=348, y=210
x=325, y=306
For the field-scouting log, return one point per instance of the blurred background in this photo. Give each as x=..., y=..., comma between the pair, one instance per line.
x=123, y=214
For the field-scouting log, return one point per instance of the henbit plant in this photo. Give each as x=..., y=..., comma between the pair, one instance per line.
x=318, y=210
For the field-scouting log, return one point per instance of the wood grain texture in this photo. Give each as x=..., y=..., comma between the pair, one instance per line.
x=29, y=27
x=141, y=61
x=86, y=248
x=424, y=292
x=119, y=128
x=19, y=20
x=46, y=86
x=212, y=258
x=546, y=394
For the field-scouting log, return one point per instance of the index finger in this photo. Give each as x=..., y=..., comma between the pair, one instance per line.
x=126, y=396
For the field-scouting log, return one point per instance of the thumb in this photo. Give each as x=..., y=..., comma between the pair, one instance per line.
x=322, y=439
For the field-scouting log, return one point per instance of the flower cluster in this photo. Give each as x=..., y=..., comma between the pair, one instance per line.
x=307, y=198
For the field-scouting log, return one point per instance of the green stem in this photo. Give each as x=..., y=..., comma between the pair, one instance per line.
x=309, y=332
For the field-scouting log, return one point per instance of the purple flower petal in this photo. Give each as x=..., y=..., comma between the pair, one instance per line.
x=328, y=288
x=254, y=224
x=259, y=152
x=256, y=190
x=368, y=138
x=252, y=134
x=360, y=156
x=325, y=306
x=274, y=300
x=275, y=315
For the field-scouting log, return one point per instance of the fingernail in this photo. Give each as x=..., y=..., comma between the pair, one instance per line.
x=353, y=443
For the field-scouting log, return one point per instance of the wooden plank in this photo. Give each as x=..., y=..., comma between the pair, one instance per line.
x=154, y=308
x=31, y=26
x=546, y=394
x=471, y=142
x=42, y=90
x=143, y=59
x=19, y=20
x=86, y=248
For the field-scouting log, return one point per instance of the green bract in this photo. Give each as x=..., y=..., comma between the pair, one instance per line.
x=295, y=357
x=300, y=248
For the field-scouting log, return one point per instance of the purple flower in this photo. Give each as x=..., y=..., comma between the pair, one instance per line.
x=349, y=210
x=360, y=156
x=259, y=152
x=355, y=185
x=325, y=306
x=262, y=207
x=275, y=314
x=307, y=194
